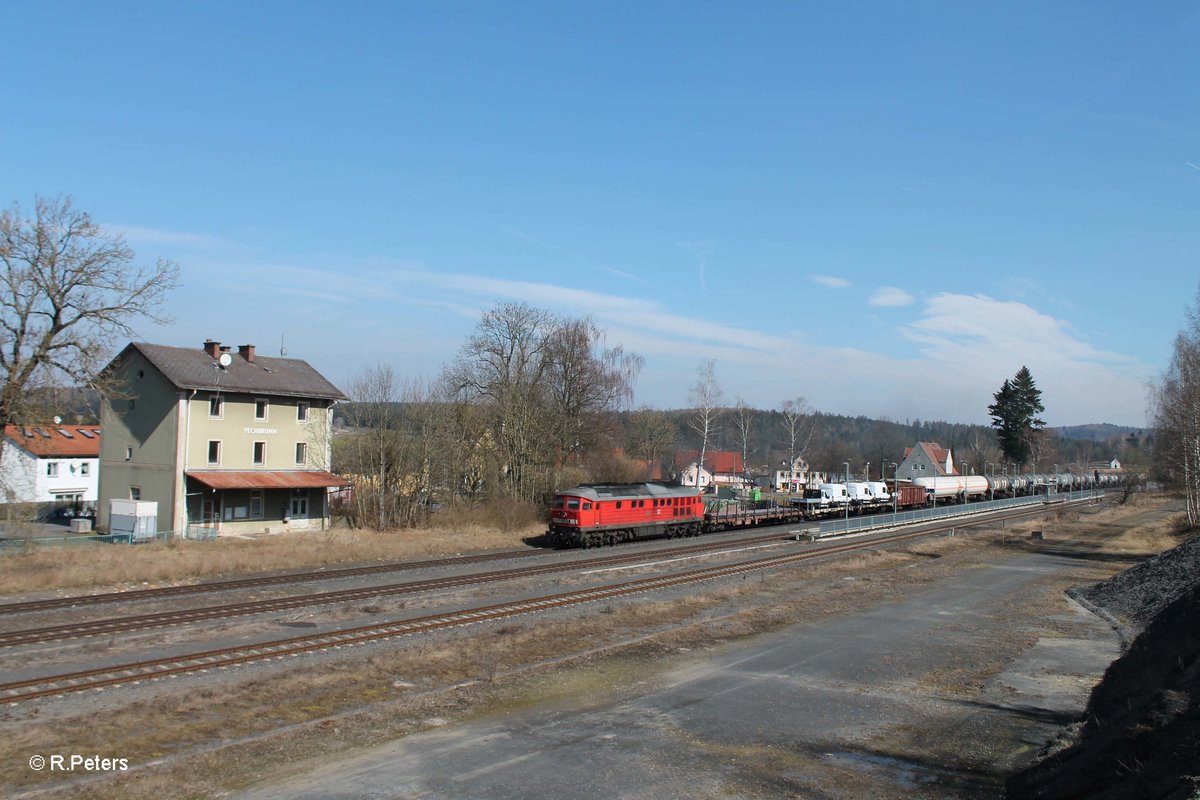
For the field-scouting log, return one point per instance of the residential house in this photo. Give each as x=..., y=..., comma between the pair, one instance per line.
x=720, y=468
x=926, y=460
x=798, y=478
x=233, y=441
x=52, y=465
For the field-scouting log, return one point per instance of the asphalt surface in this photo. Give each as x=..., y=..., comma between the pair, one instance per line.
x=822, y=710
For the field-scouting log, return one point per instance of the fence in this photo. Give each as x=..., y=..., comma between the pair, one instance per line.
x=854, y=524
x=27, y=543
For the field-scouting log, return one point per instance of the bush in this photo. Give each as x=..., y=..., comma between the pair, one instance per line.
x=503, y=513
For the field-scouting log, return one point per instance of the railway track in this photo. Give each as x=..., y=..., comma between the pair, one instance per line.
x=135, y=595
x=214, y=587
x=129, y=624
x=135, y=672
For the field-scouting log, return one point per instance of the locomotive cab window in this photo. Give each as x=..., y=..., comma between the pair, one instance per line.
x=587, y=506
x=558, y=502
x=573, y=503
x=618, y=504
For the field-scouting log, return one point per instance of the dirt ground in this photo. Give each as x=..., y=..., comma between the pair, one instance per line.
x=212, y=737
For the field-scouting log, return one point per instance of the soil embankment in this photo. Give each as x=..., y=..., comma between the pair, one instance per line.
x=1141, y=735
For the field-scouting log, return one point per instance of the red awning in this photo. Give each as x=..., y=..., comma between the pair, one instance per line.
x=264, y=479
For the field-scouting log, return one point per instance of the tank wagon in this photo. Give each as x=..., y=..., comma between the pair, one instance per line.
x=968, y=488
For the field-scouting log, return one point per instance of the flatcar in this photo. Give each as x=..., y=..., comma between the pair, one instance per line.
x=598, y=514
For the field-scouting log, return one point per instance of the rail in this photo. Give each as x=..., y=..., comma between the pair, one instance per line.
x=842, y=525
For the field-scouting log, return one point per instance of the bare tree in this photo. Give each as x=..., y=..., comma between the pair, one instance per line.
x=390, y=450
x=798, y=426
x=744, y=418
x=650, y=435
x=69, y=290
x=585, y=381
x=545, y=385
x=501, y=367
x=1176, y=415
x=705, y=398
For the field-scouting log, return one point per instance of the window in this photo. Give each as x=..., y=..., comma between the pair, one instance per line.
x=129, y=454
x=52, y=469
x=214, y=452
x=135, y=493
x=256, y=504
x=260, y=408
x=85, y=468
x=260, y=453
x=302, y=412
x=216, y=406
x=618, y=504
x=573, y=503
x=301, y=453
x=587, y=506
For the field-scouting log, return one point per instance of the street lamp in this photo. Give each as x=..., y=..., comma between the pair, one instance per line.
x=846, y=492
x=895, y=490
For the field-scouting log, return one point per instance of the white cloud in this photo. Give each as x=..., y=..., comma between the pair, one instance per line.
x=830, y=282
x=890, y=296
x=627, y=276
x=970, y=343
x=960, y=347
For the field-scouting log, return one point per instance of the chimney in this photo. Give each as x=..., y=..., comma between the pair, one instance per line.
x=212, y=348
x=246, y=351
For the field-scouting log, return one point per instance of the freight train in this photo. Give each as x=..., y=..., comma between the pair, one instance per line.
x=593, y=515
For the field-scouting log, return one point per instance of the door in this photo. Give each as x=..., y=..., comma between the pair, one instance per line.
x=299, y=505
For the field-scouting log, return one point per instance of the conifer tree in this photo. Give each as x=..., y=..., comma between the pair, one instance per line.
x=1015, y=415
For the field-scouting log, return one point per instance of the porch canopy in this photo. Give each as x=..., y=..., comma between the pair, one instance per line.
x=267, y=479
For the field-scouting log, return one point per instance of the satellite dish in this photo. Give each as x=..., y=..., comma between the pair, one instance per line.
x=58, y=420
x=225, y=359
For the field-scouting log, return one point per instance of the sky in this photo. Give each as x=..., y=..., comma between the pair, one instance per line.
x=885, y=208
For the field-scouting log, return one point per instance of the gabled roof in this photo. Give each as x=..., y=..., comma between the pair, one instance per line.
x=56, y=441
x=721, y=462
x=193, y=368
x=935, y=453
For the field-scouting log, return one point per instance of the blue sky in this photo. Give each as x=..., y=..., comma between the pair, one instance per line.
x=887, y=208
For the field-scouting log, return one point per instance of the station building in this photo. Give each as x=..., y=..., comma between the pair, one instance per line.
x=227, y=441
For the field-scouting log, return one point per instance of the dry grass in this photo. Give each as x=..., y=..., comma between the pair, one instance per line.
x=134, y=566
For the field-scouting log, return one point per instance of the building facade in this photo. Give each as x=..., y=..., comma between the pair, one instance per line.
x=236, y=442
x=720, y=468
x=926, y=460
x=51, y=465
x=798, y=478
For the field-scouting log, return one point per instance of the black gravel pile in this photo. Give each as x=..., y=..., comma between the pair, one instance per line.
x=1141, y=737
x=1138, y=595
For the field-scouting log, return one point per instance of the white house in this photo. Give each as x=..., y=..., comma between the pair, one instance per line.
x=798, y=478
x=926, y=460
x=57, y=464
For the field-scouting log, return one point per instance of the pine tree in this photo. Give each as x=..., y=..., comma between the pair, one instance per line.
x=1014, y=415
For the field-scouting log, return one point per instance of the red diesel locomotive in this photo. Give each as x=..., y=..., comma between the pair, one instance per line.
x=597, y=514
